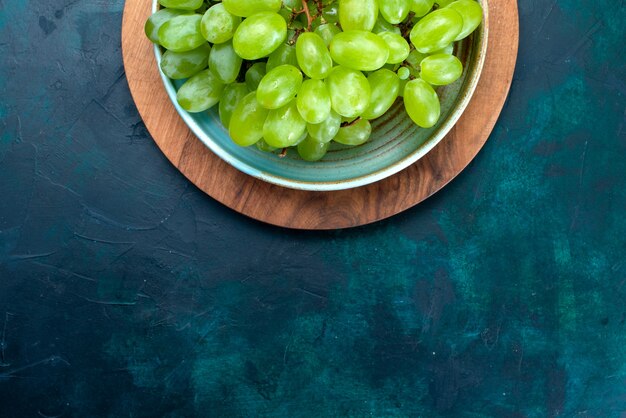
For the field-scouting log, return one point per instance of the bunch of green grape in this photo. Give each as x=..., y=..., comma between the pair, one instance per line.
x=303, y=73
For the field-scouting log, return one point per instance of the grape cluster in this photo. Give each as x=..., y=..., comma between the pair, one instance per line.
x=307, y=72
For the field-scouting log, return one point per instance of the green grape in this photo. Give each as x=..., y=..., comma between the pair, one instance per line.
x=355, y=133
x=264, y=146
x=421, y=103
x=402, y=86
x=398, y=47
x=247, y=8
x=359, y=50
x=279, y=86
x=313, y=101
x=232, y=95
x=472, y=14
x=421, y=7
x=441, y=69
x=181, y=33
x=403, y=73
x=349, y=91
x=327, y=32
x=179, y=65
x=325, y=131
x=358, y=14
x=447, y=50
x=385, y=86
x=415, y=58
x=284, y=126
x=436, y=30
x=225, y=62
x=331, y=13
x=247, y=120
x=200, y=92
x=154, y=22
x=443, y=3
x=255, y=74
x=311, y=150
x=382, y=25
x=395, y=11
x=284, y=54
x=259, y=35
x=218, y=25
x=182, y=4
x=313, y=55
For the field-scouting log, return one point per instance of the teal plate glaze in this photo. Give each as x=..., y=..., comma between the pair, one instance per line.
x=395, y=144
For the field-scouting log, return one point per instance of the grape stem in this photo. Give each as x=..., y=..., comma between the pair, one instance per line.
x=343, y=125
x=305, y=9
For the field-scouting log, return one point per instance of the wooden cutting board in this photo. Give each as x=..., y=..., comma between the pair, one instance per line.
x=320, y=210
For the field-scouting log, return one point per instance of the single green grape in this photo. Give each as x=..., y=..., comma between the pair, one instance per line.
x=313, y=56
x=385, y=86
x=382, y=25
x=312, y=150
x=200, y=92
x=182, y=4
x=441, y=69
x=330, y=13
x=284, y=126
x=358, y=14
x=472, y=14
x=325, y=131
x=313, y=101
x=398, y=47
x=218, y=25
x=264, y=146
x=349, y=91
x=156, y=20
x=436, y=30
x=232, y=95
x=421, y=7
x=395, y=11
x=259, y=35
x=355, y=133
x=403, y=73
x=181, y=33
x=225, y=62
x=359, y=50
x=247, y=8
x=279, y=86
x=255, y=74
x=284, y=54
x=421, y=103
x=179, y=65
x=327, y=32
x=247, y=120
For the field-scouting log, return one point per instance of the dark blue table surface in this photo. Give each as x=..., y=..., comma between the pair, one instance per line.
x=126, y=292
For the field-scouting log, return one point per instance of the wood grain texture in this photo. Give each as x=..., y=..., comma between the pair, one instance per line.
x=320, y=210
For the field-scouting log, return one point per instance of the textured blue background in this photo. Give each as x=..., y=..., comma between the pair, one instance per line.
x=126, y=292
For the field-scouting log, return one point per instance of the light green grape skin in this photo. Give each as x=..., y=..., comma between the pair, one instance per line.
x=441, y=69
x=259, y=35
x=356, y=133
x=284, y=127
x=436, y=30
x=313, y=56
x=225, y=62
x=279, y=86
x=385, y=86
x=447, y=50
x=218, y=25
x=264, y=146
x=421, y=103
x=331, y=13
x=349, y=91
x=245, y=8
x=403, y=73
x=443, y=3
x=472, y=14
x=200, y=92
x=325, y=131
x=313, y=101
x=181, y=33
x=382, y=25
x=182, y=4
x=312, y=150
x=179, y=65
x=415, y=58
x=358, y=14
x=247, y=120
x=327, y=32
x=232, y=95
x=394, y=11
x=255, y=74
x=359, y=50
x=284, y=54
x=156, y=20
x=399, y=48
x=421, y=7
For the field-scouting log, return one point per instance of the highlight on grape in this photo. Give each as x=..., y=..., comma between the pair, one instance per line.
x=304, y=73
